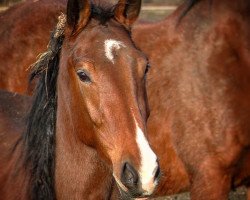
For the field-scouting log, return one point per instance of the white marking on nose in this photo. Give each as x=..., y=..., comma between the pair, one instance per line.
x=109, y=46
x=148, y=162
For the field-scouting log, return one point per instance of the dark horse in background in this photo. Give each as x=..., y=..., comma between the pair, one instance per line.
x=198, y=89
x=74, y=147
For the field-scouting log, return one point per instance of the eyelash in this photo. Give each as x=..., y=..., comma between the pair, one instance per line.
x=83, y=76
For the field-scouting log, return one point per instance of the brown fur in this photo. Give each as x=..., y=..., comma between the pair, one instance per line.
x=92, y=143
x=198, y=94
x=14, y=180
x=13, y=109
x=25, y=32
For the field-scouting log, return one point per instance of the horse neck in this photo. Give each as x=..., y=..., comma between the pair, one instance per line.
x=77, y=168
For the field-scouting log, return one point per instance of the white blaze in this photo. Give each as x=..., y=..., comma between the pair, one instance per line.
x=148, y=162
x=109, y=46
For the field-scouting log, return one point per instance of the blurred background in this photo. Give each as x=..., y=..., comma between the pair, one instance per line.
x=152, y=10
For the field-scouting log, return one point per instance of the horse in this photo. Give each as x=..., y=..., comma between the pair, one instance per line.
x=87, y=123
x=198, y=92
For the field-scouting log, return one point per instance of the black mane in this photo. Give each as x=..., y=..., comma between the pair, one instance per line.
x=39, y=139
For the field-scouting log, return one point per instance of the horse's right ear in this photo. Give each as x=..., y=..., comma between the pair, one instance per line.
x=78, y=13
x=127, y=11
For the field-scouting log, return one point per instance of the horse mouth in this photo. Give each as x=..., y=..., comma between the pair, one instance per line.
x=127, y=194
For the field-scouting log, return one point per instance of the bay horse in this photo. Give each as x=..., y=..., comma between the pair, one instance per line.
x=73, y=142
x=198, y=90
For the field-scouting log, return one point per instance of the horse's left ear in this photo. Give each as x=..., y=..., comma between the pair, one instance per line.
x=78, y=13
x=127, y=11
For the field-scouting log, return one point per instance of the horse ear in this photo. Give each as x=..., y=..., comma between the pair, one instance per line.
x=78, y=13
x=127, y=11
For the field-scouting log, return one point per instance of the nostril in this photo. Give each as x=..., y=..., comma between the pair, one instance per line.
x=157, y=173
x=129, y=176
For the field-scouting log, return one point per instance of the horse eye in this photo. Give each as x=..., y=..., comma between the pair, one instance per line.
x=83, y=76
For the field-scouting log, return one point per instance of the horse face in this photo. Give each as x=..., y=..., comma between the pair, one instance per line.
x=103, y=76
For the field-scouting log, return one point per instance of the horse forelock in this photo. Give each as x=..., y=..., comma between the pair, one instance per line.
x=102, y=11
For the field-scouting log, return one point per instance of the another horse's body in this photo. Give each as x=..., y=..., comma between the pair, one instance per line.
x=198, y=89
x=13, y=109
x=73, y=142
x=25, y=31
